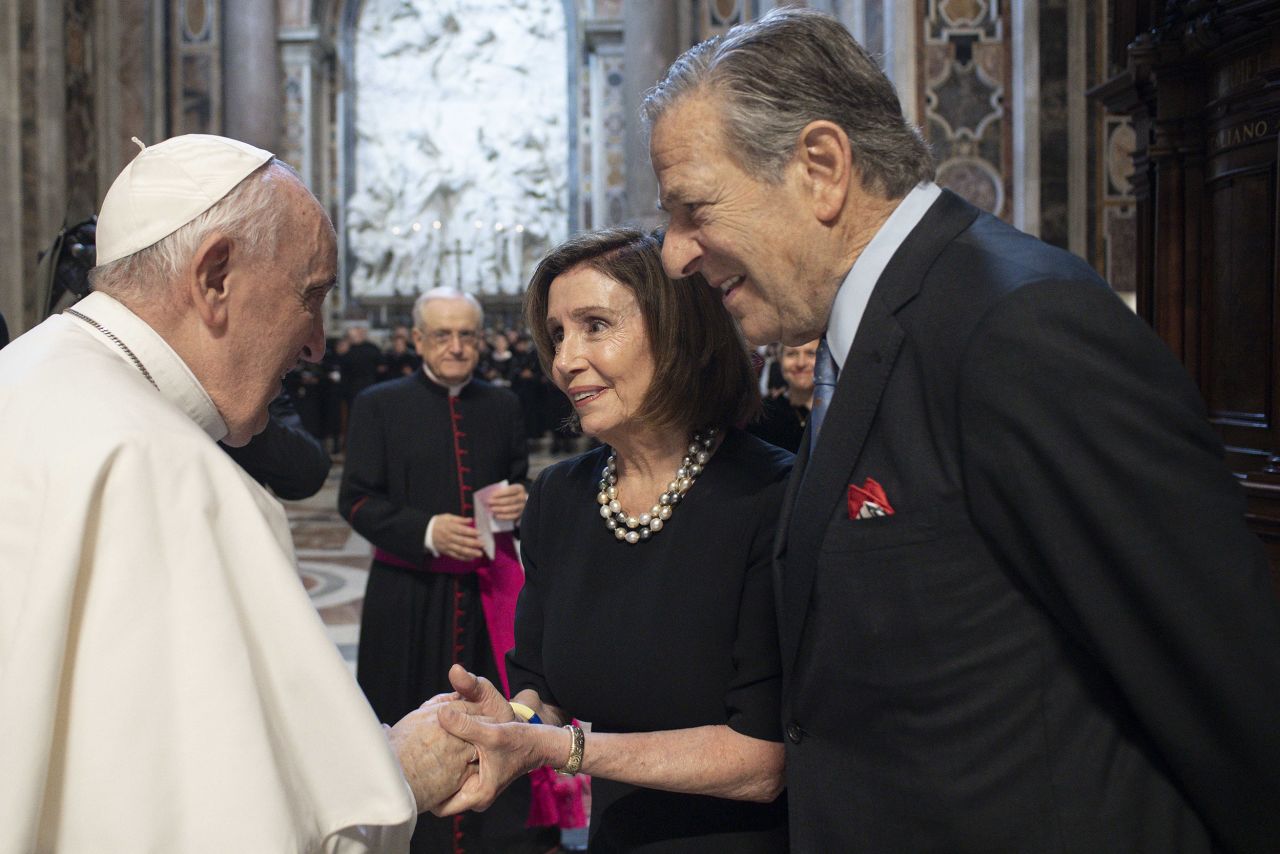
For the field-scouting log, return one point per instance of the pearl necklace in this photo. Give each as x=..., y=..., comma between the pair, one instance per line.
x=633, y=529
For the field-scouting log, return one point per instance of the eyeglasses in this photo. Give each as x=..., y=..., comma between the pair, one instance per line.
x=441, y=337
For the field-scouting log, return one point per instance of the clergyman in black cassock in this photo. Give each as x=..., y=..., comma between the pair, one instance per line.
x=418, y=448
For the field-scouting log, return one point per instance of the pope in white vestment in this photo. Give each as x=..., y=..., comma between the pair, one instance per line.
x=165, y=684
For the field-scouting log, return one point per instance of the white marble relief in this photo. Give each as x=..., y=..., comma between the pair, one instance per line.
x=461, y=144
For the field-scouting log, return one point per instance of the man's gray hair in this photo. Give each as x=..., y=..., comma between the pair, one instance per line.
x=794, y=66
x=420, y=304
x=251, y=214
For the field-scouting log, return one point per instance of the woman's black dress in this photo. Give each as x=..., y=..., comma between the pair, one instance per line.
x=673, y=632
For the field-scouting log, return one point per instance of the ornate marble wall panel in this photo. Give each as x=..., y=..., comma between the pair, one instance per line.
x=195, y=66
x=602, y=132
x=1054, y=120
x=294, y=14
x=299, y=143
x=1111, y=225
x=604, y=9
x=39, y=119
x=12, y=296
x=131, y=67
x=460, y=172
x=964, y=69
x=715, y=17
x=82, y=149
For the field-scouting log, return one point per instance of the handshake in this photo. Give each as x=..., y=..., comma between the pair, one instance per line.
x=458, y=751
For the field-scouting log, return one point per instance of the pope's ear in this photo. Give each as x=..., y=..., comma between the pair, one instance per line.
x=209, y=284
x=826, y=156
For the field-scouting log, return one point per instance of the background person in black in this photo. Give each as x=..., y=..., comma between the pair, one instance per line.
x=285, y=456
x=786, y=414
x=667, y=645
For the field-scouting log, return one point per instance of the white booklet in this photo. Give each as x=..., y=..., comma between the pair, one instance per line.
x=486, y=524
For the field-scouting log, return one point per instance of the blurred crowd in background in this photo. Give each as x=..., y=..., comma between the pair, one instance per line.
x=322, y=393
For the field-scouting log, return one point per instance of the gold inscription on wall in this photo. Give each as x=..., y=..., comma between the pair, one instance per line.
x=1244, y=133
x=1238, y=73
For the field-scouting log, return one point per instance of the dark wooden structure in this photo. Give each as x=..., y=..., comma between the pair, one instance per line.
x=1201, y=80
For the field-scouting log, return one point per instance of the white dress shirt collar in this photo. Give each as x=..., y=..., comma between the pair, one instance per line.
x=172, y=377
x=855, y=292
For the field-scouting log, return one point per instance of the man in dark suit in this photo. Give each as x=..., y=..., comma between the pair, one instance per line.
x=1019, y=606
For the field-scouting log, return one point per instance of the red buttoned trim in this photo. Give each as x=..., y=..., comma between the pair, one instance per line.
x=359, y=502
x=459, y=452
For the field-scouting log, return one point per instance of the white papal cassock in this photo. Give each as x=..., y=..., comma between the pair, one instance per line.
x=165, y=684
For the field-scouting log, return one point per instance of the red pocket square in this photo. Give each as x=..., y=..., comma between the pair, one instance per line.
x=868, y=501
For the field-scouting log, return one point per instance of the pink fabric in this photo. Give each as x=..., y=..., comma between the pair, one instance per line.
x=557, y=800
x=500, y=583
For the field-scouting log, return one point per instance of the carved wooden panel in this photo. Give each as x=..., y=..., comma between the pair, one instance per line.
x=1202, y=85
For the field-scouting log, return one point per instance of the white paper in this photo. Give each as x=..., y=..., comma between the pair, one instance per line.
x=486, y=524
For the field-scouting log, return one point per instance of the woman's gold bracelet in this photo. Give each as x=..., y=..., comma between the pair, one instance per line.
x=574, y=763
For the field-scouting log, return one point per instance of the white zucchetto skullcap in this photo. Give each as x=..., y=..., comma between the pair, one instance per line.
x=167, y=186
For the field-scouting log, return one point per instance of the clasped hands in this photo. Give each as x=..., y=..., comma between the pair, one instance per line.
x=460, y=750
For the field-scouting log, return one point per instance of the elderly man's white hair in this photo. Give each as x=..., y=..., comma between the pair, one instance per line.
x=420, y=304
x=250, y=214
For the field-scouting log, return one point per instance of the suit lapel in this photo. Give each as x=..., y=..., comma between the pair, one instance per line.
x=820, y=480
x=823, y=481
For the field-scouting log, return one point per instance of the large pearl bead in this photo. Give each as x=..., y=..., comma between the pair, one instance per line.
x=604, y=511
x=633, y=522
x=644, y=518
x=655, y=525
x=619, y=533
x=615, y=506
x=633, y=537
x=602, y=498
x=666, y=512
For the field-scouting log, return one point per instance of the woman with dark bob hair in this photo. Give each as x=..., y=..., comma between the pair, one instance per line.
x=648, y=605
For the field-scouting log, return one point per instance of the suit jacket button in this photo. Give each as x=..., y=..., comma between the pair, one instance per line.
x=793, y=732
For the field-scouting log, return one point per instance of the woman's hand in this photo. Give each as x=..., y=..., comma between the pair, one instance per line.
x=477, y=695
x=505, y=752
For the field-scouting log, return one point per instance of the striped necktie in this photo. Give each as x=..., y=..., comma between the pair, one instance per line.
x=824, y=386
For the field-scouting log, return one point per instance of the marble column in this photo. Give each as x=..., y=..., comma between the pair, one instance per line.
x=11, y=297
x=129, y=93
x=650, y=44
x=305, y=110
x=33, y=187
x=251, y=79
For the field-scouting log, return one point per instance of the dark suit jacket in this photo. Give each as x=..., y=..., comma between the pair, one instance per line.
x=1064, y=639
